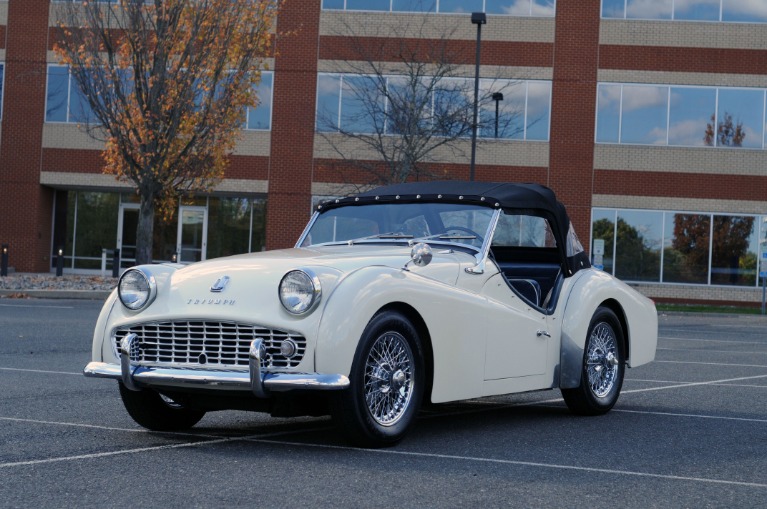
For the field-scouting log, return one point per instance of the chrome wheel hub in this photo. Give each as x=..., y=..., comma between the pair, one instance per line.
x=389, y=378
x=602, y=362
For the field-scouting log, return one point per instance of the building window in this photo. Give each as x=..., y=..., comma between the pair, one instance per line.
x=65, y=103
x=688, y=10
x=355, y=104
x=680, y=247
x=680, y=115
x=542, y=8
x=88, y=222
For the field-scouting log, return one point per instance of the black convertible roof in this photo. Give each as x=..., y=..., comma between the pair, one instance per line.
x=507, y=195
x=488, y=194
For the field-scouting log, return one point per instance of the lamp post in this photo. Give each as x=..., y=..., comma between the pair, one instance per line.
x=479, y=19
x=497, y=97
x=4, y=261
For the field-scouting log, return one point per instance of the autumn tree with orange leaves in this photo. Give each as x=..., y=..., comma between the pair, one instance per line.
x=168, y=83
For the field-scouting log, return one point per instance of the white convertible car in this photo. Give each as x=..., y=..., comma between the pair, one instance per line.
x=436, y=291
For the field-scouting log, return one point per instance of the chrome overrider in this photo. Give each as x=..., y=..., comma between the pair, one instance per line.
x=135, y=377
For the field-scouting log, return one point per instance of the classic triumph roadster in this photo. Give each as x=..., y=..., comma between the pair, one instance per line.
x=406, y=294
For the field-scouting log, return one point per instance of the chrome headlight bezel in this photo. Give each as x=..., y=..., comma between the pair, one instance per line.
x=305, y=298
x=129, y=299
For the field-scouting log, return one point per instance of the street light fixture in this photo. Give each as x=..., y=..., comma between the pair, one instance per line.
x=479, y=19
x=497, y=97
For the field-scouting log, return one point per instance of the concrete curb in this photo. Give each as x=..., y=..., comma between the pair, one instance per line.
x=59, y=294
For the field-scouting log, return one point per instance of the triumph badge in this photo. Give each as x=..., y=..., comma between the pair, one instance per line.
x=220, y=284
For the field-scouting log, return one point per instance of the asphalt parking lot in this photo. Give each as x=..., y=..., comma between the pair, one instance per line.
x=689, y=430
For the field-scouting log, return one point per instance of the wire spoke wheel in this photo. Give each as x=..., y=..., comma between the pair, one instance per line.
x=602, y=366
x=602, y=360
x=388, y=383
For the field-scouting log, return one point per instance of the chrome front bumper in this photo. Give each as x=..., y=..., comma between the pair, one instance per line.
x=135, y=377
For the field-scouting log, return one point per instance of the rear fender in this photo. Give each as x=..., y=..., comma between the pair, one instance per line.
x=592, y=289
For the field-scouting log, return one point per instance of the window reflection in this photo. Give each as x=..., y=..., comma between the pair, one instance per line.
x=743, y=11
x=603, y=227
x=500, y=7
x=689, y=240
x=686, y=248
x=740, y=118
x=648, y=9
x=697, y=10
x=645, y=112
x=414, y=5
x=691, y=110
x=637, y=252
x=753, y=11
x=696, y=116
x=260, y=117
x=734, y=251
x=523, y=113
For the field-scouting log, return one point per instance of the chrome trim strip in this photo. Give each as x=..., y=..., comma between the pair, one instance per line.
x=232, y=380
x=484, y=251
x=306, y=230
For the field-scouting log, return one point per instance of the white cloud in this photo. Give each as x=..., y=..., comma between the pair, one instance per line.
x=687, y=133
x=649, y=9
x=639, y=97
x=755, y=8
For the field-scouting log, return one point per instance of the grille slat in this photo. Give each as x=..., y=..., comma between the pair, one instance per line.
x=208, y=343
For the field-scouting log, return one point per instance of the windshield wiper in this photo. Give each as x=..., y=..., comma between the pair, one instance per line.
x=390, y=235
x=444, y=236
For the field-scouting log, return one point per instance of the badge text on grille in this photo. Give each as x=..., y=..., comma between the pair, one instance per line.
x=211, y=302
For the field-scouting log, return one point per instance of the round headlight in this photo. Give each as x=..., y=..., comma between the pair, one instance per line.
x=137, y=289
x=299, y=291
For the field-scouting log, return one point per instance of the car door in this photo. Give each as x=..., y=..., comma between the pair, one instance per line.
x=518, y=339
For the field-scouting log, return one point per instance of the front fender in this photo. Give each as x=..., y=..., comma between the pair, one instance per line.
x=590, y=289
x=453, y=318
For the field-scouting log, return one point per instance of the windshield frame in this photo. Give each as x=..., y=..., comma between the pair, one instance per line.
x=479, y=252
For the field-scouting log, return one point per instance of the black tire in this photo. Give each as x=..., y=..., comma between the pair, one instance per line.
x=601, y=376
x=387, y=382
x=151, y=411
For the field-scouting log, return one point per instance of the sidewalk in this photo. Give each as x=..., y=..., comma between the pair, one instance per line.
x=48, y=286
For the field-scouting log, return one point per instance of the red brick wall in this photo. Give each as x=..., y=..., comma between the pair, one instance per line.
x=295, y=86
x=531, y=54
x=25, y=208
x=573, y=109
x=682, y=185
x=659, y=58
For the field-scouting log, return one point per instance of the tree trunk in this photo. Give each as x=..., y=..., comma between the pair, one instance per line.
x=145, y=231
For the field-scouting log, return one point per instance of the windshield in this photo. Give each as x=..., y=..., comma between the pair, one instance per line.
x=394, y=222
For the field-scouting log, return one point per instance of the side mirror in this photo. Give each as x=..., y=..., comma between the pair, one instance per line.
x=420, y=255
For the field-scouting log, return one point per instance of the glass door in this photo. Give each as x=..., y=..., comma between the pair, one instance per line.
x=192, y=237
x=127, y=223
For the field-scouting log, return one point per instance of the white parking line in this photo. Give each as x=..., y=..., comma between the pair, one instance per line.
x=35, y=307
x=689, y=350
x=112, y=453
x=680, y=382
x=697, y=416
x=42, y=371
x=713, y=340
x=714, y=364
x=512, y=462
x=693, y=384
x=266, y=439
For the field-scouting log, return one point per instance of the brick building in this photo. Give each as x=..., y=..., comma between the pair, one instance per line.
x=649, y=125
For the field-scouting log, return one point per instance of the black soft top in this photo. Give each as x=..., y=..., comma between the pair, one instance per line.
x=531, y=197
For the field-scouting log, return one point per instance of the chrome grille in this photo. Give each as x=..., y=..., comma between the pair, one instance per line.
x=208, y=343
